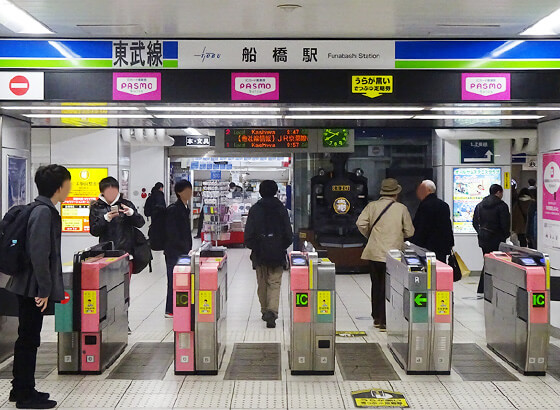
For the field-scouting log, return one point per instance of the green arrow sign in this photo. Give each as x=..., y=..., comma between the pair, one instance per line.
x=421, y=300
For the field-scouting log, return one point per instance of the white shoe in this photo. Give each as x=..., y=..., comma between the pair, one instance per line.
x=169, y=315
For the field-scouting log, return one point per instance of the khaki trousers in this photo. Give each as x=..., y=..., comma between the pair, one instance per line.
x=269, y=281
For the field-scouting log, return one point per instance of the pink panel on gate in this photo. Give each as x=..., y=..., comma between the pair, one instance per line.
x=444, y=276
x=182, y=314
x=299, y=277
x=184, y=357
x=90, y=313
x=91, y=353
x=90, y=270
x=209, y=276
x=181, y=278
x=536, y=278
x=302, y=314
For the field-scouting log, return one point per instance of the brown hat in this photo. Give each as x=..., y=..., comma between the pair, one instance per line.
x=390, y=186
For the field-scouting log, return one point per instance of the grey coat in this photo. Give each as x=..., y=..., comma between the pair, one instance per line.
x=43, y=277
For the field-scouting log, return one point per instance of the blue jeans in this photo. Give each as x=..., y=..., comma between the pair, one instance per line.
x=170, y=262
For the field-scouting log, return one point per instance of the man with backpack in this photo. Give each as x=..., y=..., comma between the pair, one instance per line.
x=386, y=223
x=30, y=254
x=268, y=233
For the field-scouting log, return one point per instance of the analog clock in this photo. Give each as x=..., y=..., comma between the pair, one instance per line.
x=335, y=137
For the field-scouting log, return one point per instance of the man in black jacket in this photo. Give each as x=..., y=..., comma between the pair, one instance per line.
x=178, y=236
x=38, y=285
x=492, y=223
x=155, y=209
x=113, y=218
x=432, y=222
x=268, y=233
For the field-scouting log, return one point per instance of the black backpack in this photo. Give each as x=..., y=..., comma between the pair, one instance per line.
x=271, y=251
x=13, y=237
x=148, y=206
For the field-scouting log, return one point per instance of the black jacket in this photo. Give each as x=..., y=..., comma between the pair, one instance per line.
x=121, y=228
x=432, y=226
x=265, y=212
x=44, y=275
x=178, y=235
x=492, y=222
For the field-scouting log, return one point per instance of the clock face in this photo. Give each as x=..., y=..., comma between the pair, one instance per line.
x=335, y=137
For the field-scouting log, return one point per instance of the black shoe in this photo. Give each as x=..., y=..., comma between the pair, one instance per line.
x=263, y=317
x=382, y=328
x=36, y=403
x=197, y=237
x=270, y=319
x=18, y=396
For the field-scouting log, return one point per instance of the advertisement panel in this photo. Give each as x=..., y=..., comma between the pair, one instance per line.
x=85, y=189
x=551, y=184
x=486, y=86
x=137, y=86
x=470, y=186
x=255, y=86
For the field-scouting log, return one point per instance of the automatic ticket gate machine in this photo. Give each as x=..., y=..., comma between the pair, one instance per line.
x=312, y=314
x=517, y=307
x=199, y=312
x=419, y=306
x=92, y=321
x=8, y=320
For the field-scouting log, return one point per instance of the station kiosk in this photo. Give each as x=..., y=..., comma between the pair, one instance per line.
x=92, y=321
x=199, y=310
x=517, y=307
x=312, y=314
x=419, y=305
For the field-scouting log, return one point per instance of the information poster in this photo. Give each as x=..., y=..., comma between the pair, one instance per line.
x=17, y=181
x=470, y=186
x=85, y=189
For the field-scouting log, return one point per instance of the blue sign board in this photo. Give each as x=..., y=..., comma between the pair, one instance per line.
x=216, y=175
x=477, y=151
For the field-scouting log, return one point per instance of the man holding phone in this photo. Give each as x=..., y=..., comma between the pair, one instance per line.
x=113, y=218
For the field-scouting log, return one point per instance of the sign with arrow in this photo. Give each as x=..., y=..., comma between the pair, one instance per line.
x=421, y=300
x=477, y=151
x=372, y=86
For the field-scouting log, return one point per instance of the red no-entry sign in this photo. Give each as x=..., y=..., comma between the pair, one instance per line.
x=66, y=298
x=19, y=85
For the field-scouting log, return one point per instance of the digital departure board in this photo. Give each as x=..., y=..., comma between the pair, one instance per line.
x=275, y=138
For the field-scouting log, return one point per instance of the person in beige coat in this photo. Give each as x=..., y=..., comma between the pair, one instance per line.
x=386, y=223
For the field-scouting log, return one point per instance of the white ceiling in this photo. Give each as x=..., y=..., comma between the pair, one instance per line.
x=262, y=18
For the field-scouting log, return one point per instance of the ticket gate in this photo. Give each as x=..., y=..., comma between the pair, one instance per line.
x=517, y=307
x=199, y=311
x=419, y=306
x=312, y=314
x=92, y=321
x=8, y=321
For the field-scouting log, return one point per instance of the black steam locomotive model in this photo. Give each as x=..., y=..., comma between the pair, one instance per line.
x=337, y=199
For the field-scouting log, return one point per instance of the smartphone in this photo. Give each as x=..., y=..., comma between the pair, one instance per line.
x=115, y=208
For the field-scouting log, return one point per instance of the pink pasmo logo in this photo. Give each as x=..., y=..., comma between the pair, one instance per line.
x=255, y=86
x=137, y=86
x=486, y=86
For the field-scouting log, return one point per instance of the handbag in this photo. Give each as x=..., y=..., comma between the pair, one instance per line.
x=452, y=261
x=141, y=254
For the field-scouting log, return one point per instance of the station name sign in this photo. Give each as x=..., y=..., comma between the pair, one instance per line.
x=261, y=138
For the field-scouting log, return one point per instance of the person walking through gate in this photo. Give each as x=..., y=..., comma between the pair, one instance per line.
x=491, y=222
x=178, y=235
x=432, y=222
x=268, y=233
x=40, y=284
x=386, y=223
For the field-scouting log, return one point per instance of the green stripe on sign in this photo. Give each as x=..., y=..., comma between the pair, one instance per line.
x=478, y=64
x=170, y=63
x=55, y=63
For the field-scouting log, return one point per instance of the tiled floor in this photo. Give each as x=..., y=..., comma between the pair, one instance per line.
x=294, y=392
